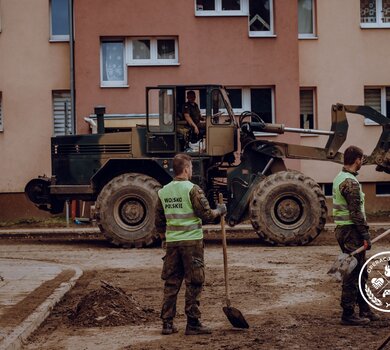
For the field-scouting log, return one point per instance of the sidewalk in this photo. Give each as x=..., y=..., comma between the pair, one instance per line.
x=29, y=289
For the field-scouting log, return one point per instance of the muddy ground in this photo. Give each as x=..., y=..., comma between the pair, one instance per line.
x=284, y=293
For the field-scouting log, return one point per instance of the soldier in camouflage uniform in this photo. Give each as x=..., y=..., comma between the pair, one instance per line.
x=193, y=117
x=351, y=233
x=179, y=214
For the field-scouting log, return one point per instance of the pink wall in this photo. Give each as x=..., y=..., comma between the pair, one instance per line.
x=211, y=50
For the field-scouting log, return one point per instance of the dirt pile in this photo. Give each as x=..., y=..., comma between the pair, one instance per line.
x=110, y=306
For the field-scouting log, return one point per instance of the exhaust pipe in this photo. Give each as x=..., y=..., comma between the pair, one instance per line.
x=100, y=111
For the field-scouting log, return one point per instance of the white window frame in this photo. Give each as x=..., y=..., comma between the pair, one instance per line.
x=378, y=23
x=54, y=37
x=314, y=96
x=323, y=185
x=116, y=83
x=263, y=33
x=246, y=102
x=383, y=102
x=59, y=98
x=219, y=12
x=381, y=195
x=314, y=34
x=153, y=60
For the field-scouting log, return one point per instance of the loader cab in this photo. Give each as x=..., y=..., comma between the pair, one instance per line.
x=167, y=130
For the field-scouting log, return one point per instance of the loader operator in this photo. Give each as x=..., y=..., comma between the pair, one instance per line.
x=193, y=117
x=351, y=233
x=179, y=214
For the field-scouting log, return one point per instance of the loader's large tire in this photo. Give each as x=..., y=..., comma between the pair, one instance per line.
x=288, y=208
x=125, y=210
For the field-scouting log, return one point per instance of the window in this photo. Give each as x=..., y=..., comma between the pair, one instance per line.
x=374, y=13
x=161, y=105
x=261, y=104
x=152, y=51
x=59, y=20
x=307, y=108
x=327, y=189
x=379, y=99
x=235, y=97
x=62, y=113
x=221, y=8
x=382, y=189
x=1, y=112
x=261, y=18
x=259, y=100
x=219, y=109
x=306, y=17
x=113, y=69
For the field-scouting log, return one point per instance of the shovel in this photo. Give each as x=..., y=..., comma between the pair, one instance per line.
x=345, y=263
x=234, y=315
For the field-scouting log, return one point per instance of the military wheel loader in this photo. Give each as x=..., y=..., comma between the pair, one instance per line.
x=122, y=171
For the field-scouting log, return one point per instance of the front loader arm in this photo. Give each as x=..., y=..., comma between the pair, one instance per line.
x=381, y=153
x=337, y=136
x=285, y=150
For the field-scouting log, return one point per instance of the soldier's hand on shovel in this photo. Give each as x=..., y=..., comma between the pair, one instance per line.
x=221, y=208
x=367, y=244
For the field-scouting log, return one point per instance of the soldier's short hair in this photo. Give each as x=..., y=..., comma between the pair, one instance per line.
x=191, y=92
x=180, y=161
x=351, y=154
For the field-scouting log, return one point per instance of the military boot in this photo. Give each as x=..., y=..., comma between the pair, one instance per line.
x=349, y=318
x=168, y=328
x=371, y=315
x=194, y=327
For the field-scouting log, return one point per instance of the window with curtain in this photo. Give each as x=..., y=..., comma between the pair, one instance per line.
x=306, y=15
x=306, y=98
x=374, y=13
x=59, y=20
x=113, y=63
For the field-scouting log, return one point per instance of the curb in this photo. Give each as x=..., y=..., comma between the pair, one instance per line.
x=18, y=337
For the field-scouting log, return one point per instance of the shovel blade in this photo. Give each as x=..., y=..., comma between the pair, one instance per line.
x=343, y=266
x=235, y=317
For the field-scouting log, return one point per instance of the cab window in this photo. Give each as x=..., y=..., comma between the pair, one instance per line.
x=219, y=109
x=161, y=110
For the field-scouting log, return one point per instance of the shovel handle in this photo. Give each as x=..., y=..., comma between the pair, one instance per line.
x=224, y=246
x=359, y=250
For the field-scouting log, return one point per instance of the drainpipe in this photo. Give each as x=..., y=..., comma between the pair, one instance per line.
x=72, y=75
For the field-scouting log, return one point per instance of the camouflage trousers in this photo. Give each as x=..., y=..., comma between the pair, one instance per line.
x=183, y=260
x=349, y=240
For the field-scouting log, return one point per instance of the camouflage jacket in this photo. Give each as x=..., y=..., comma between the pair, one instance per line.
x=193, y=110
x=350, y=190
x=200, y=205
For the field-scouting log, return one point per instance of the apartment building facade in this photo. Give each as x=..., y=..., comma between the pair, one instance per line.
x=345, y=59
x=34, y=75
x=286, y=60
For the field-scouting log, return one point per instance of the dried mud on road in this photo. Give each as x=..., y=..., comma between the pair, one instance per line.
x=289, y=305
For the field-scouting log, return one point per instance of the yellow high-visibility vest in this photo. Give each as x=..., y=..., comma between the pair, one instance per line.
x=341, y=213
x=182, y=223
